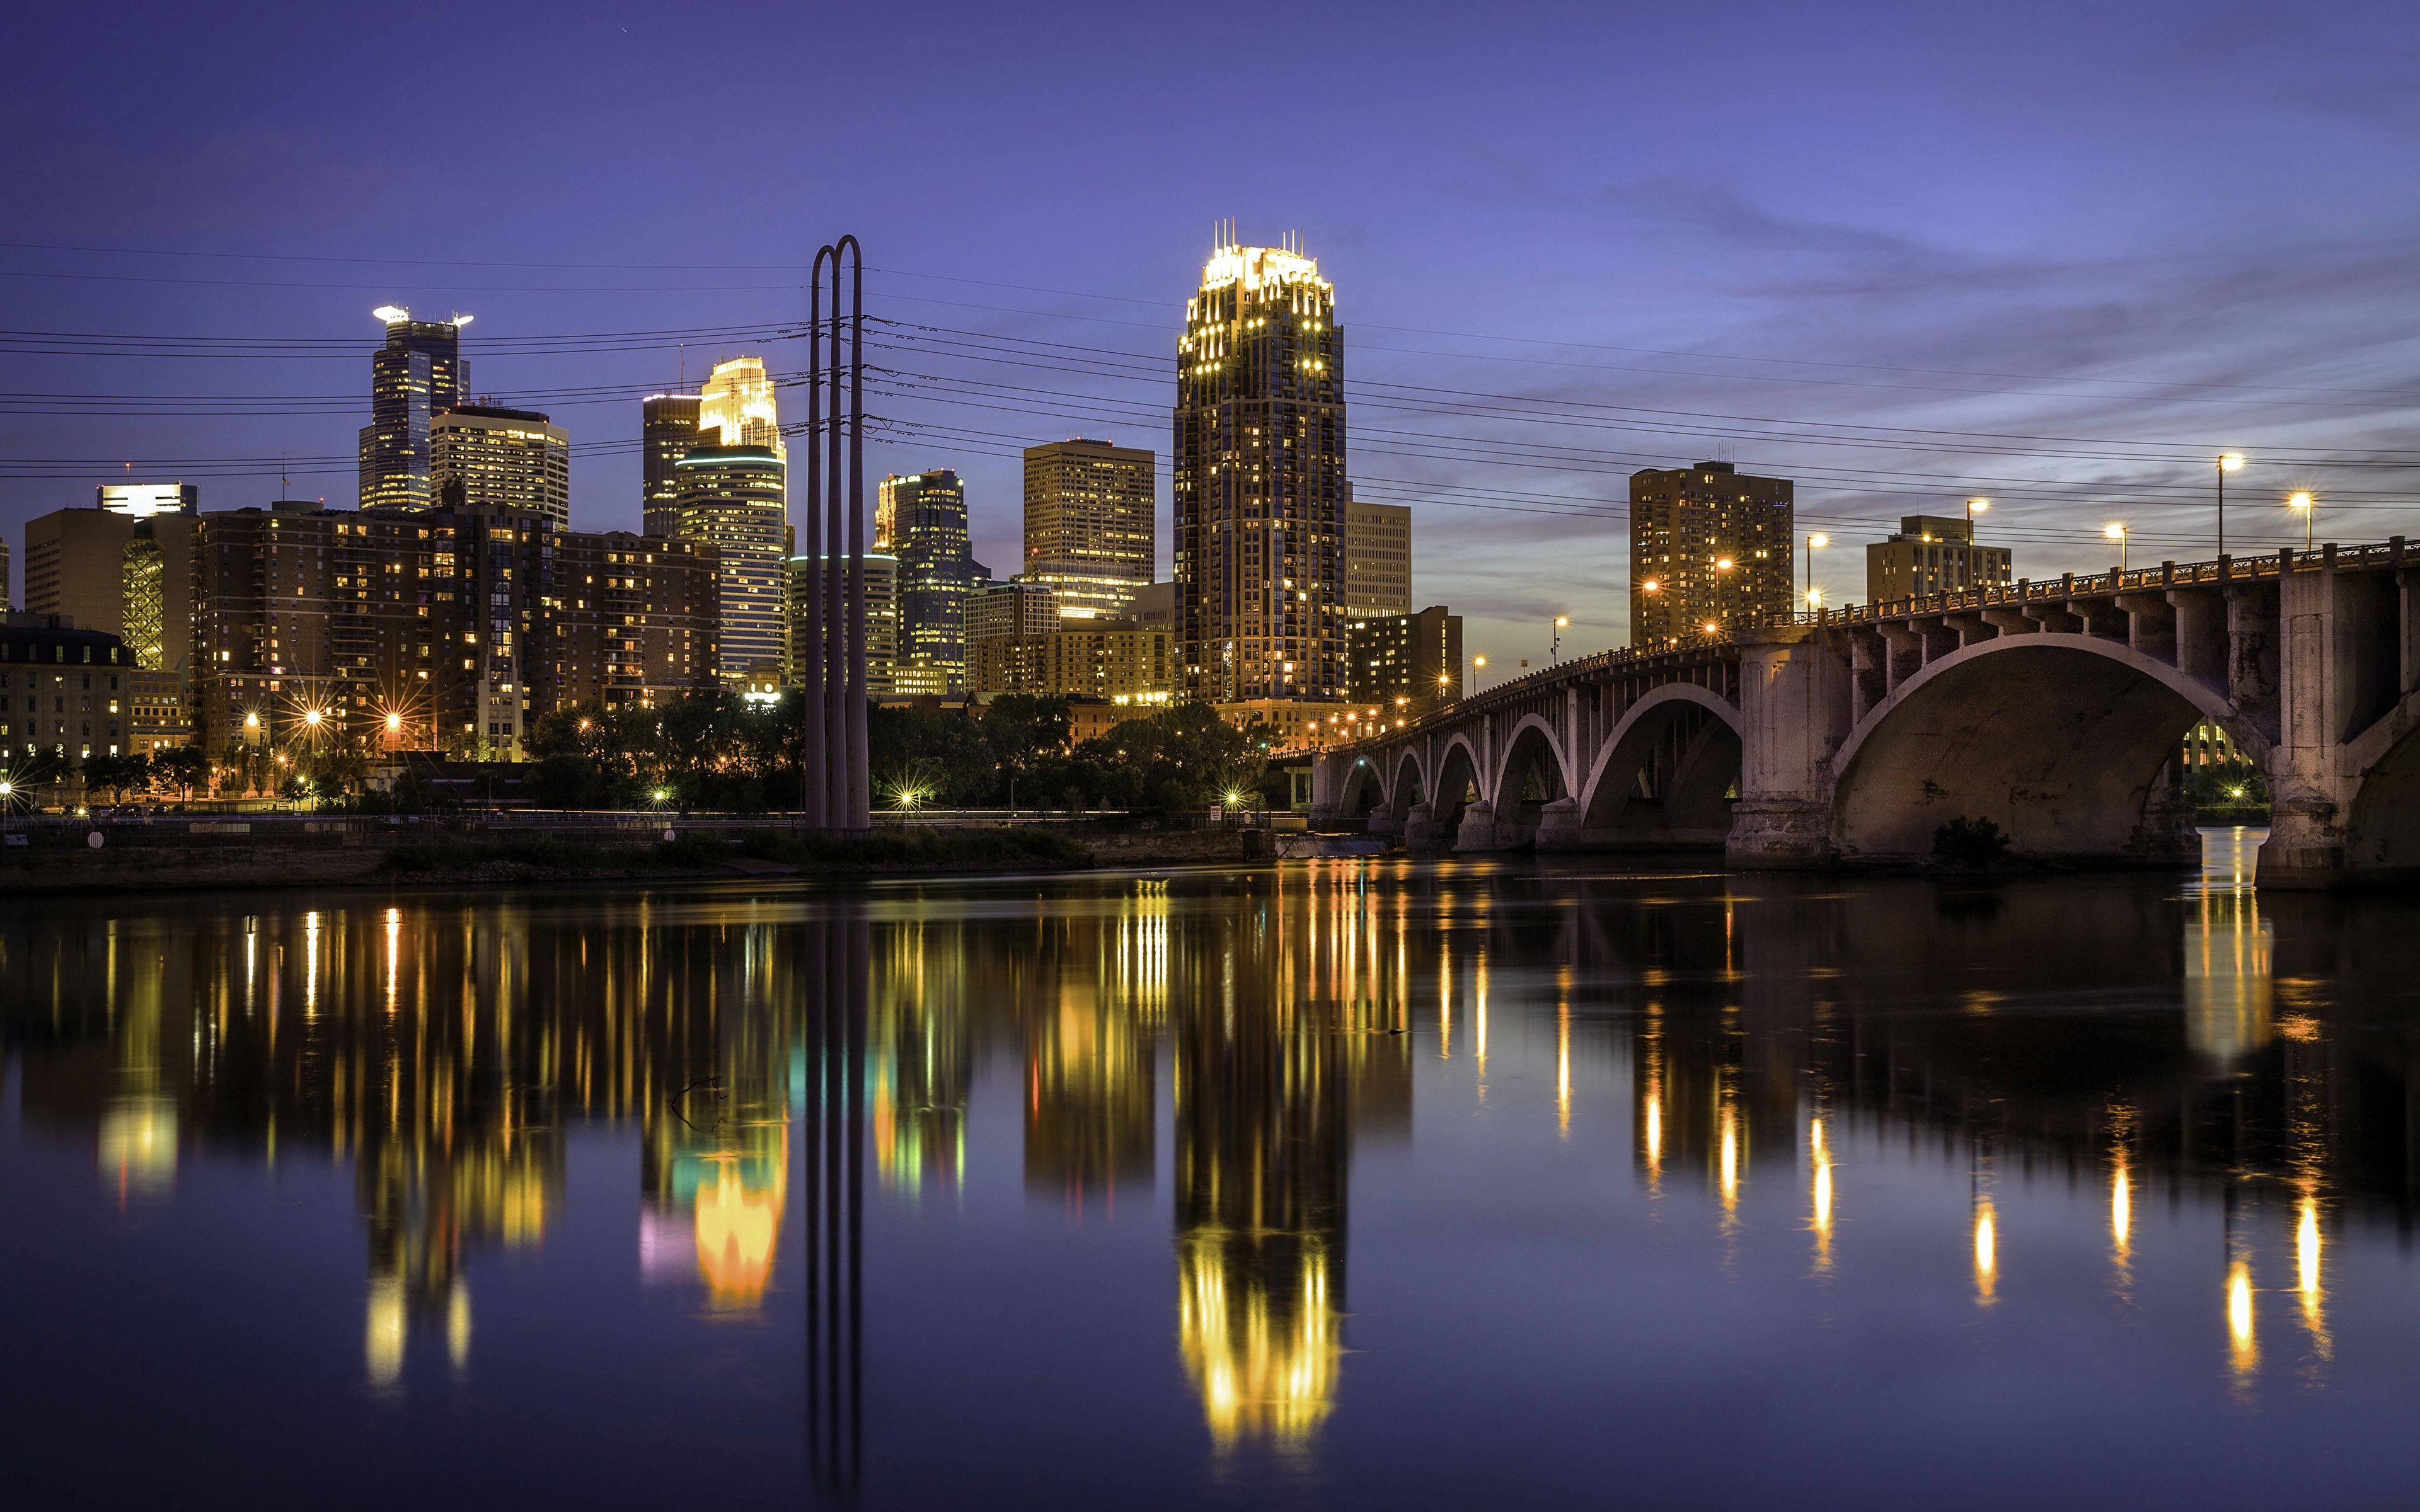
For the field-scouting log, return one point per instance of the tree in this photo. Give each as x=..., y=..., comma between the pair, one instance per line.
x=1181, y=757
x=114, y=775
x=182, y=767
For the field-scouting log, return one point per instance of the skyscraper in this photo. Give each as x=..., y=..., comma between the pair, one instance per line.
x=738, y=403
x=667, y=429
x=1377, y=560
x=1709, y=545
x=1089, y=511
x=416, y=376
x=89, y=566
x=881, y=620
x=515, y=460
x=1260, y=481
x=730, y=498
x=921, y=519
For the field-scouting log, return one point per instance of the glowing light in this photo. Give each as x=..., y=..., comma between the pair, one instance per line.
x=2299, y=501
x=2232, y=462
x=1722, y=564
x=1712, y=627
x=312, y=717
x=1654, y=1134
x=8, y=789
x=1976, y=506
x=394, y=722
x=252, y=721
x=2242, y=1344
x=736, y=1230
x=1987, y=1252
x=2122, y=1210
x=1814, y=597
x=1561, y=620
x=2307, y=1273
x=2114, y=531
x=1729, y=1160
x=1819, y=1155
x=1818, y=541
x=391, y=313
x=1649, y=586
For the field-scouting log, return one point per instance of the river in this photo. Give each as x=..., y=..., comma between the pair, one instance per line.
x=1339, y=1183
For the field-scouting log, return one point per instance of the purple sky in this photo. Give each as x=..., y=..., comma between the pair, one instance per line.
x=2057, y=255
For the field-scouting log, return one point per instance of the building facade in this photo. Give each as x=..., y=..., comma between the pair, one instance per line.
x=1091, y=517
x=1709, y=545
x=142, y=500
x=730, y=498
x=881, y=621
x=737, y=406
x=1933, y=554
x=1260, y=481
x=1013, y=610
x=1117, y=660
x=98, y=567
x=415, y=375
x=517, y=461
x=637, y=619
x=62, y=695
x=667, y=429
x=921, y=519
x=1407, y=661
x=1377, y=560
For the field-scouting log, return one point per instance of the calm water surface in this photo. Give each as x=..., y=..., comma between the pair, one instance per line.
x=1436, y=1184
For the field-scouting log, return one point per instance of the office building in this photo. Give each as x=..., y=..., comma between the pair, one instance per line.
x=415, y=375
x=143, y=499
x=1933, y=554
x=1090, y=516
x=515, y=462
x=62, y=690
x=1377, y=560
x=921, y=519
x=737, y=406
x=729, y=498
x=1260, y=481
x=667, y=429
x=91, y=566
x=881, y=621
x=1709, y=545
x=1015, y=609
x=1117, y=660
x=1406, y=664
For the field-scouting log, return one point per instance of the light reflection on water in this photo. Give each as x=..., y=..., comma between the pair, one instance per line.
x=1351, y=1183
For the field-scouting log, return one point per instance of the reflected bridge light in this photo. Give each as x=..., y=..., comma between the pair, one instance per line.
x=1987, y=1252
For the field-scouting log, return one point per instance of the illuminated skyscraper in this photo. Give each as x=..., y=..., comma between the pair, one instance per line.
x=416, y=376
x=1089, y=511
x=1709, y=545
x=667, y=429
x=921, y=520
x=509, y=459
x=1260, y=481
x=730, y=498
x=738, y=403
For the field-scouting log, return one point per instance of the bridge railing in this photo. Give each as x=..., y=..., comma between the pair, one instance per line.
x=1620, y=659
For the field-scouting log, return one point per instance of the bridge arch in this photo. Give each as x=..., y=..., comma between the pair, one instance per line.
x=1365, y=788
x=1533, y=748
x=2065, y=741
x=1458, y=771
x=1665, y=773
x=1409, y=786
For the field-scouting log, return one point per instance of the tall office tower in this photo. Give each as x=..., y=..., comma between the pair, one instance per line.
x=1009, y=610
x=1406, y=664
x=729, y=498
x=737, y=402
x=514, y=460
x=416, y=376
x=1260, y=481
x=667, y=429
x=1709, y=545
x=77, y=564
x=1933, y=554
x=881, y=620
x=1089, y=509
x=921, y=519
x=1377, y=559
x=143, y=499
x=635, y=618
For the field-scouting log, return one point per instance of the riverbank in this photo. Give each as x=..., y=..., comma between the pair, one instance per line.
x=65, y=864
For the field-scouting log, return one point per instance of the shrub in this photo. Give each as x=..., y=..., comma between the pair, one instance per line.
x=1970, y=843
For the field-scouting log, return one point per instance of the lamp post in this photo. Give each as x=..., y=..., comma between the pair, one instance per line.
x=1478, y=679
x=2117, y=533
x=1554, y=651
x=1975, y=507
x=1722, y=567
x=2227, y=462
x=1815, y=542
x=2310, y=508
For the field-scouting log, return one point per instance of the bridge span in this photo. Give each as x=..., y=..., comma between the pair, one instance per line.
x=2055, y=709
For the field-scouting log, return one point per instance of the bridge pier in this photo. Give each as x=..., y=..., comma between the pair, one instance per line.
x=1795, y=711
x=1478, y=831
x=1421, y=832
x=1559, y=827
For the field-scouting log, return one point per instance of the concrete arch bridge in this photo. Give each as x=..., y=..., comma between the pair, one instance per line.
x=2055, y=709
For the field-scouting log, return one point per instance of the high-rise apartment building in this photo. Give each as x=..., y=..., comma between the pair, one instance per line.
x=416, y=376
x=7, y=603
x=636, y=618
x=1933, y=554
x=515, y=460
x=667, y=429
x=1260, y=481
x=1415, y=658
x=1009, y=610
x=1709, y=545
x=881, y=620
x=1377, y=559
x=93, y=566
x=730, y=498
x=921, y=519
x=1090, y=515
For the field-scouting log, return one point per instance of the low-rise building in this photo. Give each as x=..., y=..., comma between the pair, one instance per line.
x=1933, y=554
x=63, y=696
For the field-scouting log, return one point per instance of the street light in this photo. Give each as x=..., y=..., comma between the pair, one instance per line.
x=2227, y=462
x=1554, y=651
x=2117, y=533
x=1975, y=507
x=1477, y=682
x=2310, y=508
x=1815, y=543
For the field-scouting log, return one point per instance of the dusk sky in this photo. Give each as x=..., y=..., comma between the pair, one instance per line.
x=2060, y=255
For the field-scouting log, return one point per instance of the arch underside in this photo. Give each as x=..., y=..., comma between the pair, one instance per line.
x=2382, y=828
x=1530, y=780
x=2070, y=752
x=1667, y=783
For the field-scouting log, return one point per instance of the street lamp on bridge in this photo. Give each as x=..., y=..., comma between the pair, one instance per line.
x=2310, y=508
x=1554, y=651
x=1975, y=507
x=1815, y=543
x=2227, y=462
x=2117, y=533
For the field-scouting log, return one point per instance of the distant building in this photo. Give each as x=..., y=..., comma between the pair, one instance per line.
x=730, y=498
x=417, y=374
x=881, y=621
x=1155, y=604
x=1415, y=658
x=1709, y=545
x=63, y=693
x=737, y=408
x=7, y=603
x=1259, y=481
x=1117, y=660
x=667, y=429
x=1010, y=610
x=145, y=498
x=639, y=619
x=921, y=519
x=1377, y=559
x=515, y=460
x=1933, y=554
x=92, y=564
x=1090, y=515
